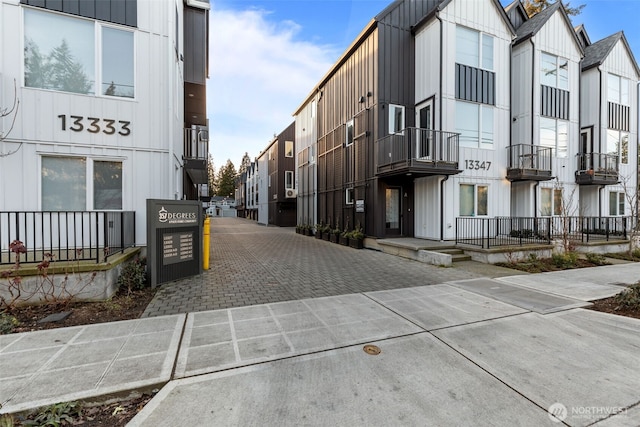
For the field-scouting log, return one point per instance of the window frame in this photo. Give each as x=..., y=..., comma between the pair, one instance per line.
x=560, y=63
x=349, y=133
x=478, y=202
x=286, y=180
x=89, y=185
x=556, y=138
x=477, y=141
x=97, y=59
x=618, y=207
x=554, y=195
x=288, y=148
x=480, y=46
x=349, y=194
x=392, y=119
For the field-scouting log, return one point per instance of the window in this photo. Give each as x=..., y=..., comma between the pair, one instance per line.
x=474, y=122
x=551, y=201
x=107, y=185
x=61, y=53
x=64, y=184
x=616, y=203
x=349, y=133
x=554, y=71
x=117, y=63
x=269, y=180
x=554, y=134
x=349, y=196
x=288, y=148
x=473, y=200
x=288, y=180
x=618, y=145
x=474, y=48
x=617, y=89
x=312, y=153
x=396, y=118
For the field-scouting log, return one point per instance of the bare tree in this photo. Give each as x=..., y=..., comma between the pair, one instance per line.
x=12, y=113
x=631, y=198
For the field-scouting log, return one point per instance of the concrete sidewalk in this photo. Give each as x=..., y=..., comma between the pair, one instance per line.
x=468, y=352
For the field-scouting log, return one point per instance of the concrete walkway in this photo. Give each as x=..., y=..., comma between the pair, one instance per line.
x=476, y=350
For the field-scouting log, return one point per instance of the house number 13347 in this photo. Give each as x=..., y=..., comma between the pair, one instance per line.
x=477, y=165
x=95, y=125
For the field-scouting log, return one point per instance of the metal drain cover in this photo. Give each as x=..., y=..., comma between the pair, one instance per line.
x=373, y=350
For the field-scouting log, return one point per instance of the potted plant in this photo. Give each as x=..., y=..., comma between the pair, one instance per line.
x=335, y=235
x=319, y=230
x=356, y=238
x=344, y=238
x=326, y=232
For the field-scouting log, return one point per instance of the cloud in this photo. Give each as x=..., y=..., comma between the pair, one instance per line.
x=259, y=74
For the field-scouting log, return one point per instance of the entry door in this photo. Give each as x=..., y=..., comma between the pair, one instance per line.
x=393, y=217
x=586, y=147
x=424, y=140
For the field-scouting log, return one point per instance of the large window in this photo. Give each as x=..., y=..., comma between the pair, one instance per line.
x=618, y=145
x=474, y=48
x=473, y=200
x=396, y=118
x=554, y=134
x=61, y=53
x=288, y=148
x=64, y=184
x=617, y=89
x=551, y=201
x=554, y=71
x=349, y=133
x=616, y=203
x=288, y=180
x=474, y=122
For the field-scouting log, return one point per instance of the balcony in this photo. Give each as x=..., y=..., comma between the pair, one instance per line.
x=597, y=169
x=529, y=163
x=418, y=152
x=196, y=153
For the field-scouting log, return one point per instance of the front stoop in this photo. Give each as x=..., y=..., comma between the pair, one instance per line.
x=422, y=250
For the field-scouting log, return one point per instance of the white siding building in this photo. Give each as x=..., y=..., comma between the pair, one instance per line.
x=110, y=94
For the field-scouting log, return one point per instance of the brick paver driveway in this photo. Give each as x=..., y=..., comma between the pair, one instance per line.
x=253, y=264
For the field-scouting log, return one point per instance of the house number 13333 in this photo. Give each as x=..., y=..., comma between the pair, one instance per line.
x=95, y=125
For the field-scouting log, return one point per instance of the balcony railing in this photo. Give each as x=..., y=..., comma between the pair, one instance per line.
x=516, y=231
x=597, y=169
x=418, y=151
x=529, y=163
x=67, y=236
x=196, y=154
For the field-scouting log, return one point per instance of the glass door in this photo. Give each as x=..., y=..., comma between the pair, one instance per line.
x=392, y=216
x=424, y=137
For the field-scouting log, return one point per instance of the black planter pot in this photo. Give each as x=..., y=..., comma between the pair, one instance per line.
x=356, y=243
x=344, y=241
x=334, y=238
x=319, y=235
x=326, y=235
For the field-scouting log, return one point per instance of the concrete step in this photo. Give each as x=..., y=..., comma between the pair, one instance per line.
x=460, y=257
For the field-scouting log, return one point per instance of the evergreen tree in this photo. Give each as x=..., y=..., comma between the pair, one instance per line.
x=534, y=6
x=211, y=174
x=226, y=180
x=244, y=164
x=68, y=74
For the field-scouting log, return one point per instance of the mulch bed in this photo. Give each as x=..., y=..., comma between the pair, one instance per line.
x=609, y=305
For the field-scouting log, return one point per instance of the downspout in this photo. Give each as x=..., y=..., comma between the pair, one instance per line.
x=440, y=114
x=441, y=79
x=599, y=137
x=600, y=201
x=533, y=85
x=446, y=177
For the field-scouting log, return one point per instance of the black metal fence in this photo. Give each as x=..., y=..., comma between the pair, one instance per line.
x=516, y=231
x=66, y=235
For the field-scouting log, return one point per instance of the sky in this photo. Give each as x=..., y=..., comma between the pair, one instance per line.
x=267, y=55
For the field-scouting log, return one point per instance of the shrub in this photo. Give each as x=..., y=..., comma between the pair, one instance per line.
x=629, y=297
x=56, y=415
x=133, y=276
x=597, y=259
x=7, y=323
x=565, y=260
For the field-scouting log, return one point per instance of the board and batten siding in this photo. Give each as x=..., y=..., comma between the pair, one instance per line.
x=306, y=173
x=150, y=153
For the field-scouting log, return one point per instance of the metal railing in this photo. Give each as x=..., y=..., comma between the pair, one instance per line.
x=66, y=235
x=516, y=231
x=599, y=164
x=530, y=157
x=416, y=144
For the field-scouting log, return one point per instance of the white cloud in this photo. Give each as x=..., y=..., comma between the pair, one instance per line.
x=259, y=75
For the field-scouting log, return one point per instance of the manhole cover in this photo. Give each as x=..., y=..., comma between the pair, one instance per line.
x=373, y=350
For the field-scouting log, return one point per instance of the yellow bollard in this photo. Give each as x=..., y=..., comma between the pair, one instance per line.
x=205, y=243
